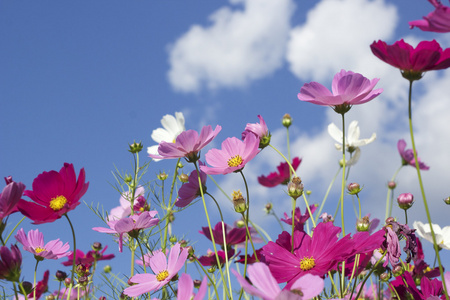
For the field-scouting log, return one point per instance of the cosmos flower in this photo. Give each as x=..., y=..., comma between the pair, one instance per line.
x=348, y=89
x=10, y=263
x=88, y=258
x=442, y=234
x=124, y=210
x=130, y=225
x=283, y=175
x=233, y=236
x=191, y=190
x=352, y=140
x=299, y=219
x=164, y=269
x=173, y=126
x=266, y=287
x=186, y=288
x=41, y=288
x=436, y=21
x=33, y=242
x=260, y=130
x=233, y=156
x=10, y=197
x=187, y=144
x=54, y=194
x=210, y=258
x=427, y=56
x=408, y=156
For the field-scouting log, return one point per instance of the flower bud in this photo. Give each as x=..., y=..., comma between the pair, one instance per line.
x=136, y=147
x=107, y=269
x=287, y=120
x=60, y=275
x=127, y=178
x=354, y=188
x=405, y=200
x=102, y=298
x=398, y=270
x=211, y=269
x=183, y=243
x=162, y=176
x=392, y=185
x=50, y=297
x=363, y=224
x=385, y=277
x=27, y=286
x=326, y=217
x=268, y=208
x=390, y=220
x=197, y=283
x=240, y=224
x=180, y=165
x=83, y=280
x=239, y=202
x=183, y=177
x=308, y=192
x=171, y=217
x=190, y=250
x=173, y=239
x=67, y=281
x=447, y=200
x=295, y=187
x=97, y=246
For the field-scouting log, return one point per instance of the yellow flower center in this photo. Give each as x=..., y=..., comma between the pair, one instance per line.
x=162, y=275
x=307, y=263
x=39, y=250
x=235, y=161
x=58, y=202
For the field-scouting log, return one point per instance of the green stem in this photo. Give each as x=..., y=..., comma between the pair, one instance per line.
x=326, y=194
x=284, y=157
x=343, y=175
x=367, y=277
x=169, y=206
x=14, y=229
x=213, y=282
x=74, y=248
x=34, y=279
x=388, y=197
x=406, y=217
x=422, y=190
x=293, y=224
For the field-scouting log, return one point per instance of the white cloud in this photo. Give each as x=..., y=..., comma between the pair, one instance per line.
x=239, y=46
x=337, y=35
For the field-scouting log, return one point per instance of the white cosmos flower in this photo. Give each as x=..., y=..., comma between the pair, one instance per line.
x=173, y=126
x=352, y=142
x=442, y=234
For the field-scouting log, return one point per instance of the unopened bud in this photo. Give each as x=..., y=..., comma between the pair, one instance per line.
x=127, y=178
x=308, y=192
x=97, y=246
x=197, y=283
x=240, y=224
x=27, y=286
x=83, y=280
x=268, y=208
x=287, y=120
x=162, y=176
x=447, y=200
x=107, y=269
x=67, y=281
x=173, y=239
x=398, y=270
x=183, y=243
x=211, y=269
x=385, y=277
x=354, y=188
x=392, y=185
x=363, y=224
x=50, y=297
x=180, y=165
x=405, y=200
x=135, y=147
x=239, y=202
x=183, y=177
x=295, y=187
x=390, y=220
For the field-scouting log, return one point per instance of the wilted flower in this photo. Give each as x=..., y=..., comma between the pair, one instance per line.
x=408, y=156
x=280, y=177
x=442, y=234
x=352, y=140
x=55, y=194
x=173, y=126
x=436, y=21
x=348, y=89
x=33, y=242
x=233, y=156
x=164, y=269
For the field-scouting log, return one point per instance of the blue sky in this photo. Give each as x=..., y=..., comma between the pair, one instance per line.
x=80, y=80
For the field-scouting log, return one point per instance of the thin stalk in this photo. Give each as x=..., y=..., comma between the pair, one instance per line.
x=422, y=190
x=213, y=282
x=14, y=229
x=74, y=247
x=284, y=157
x=169, y=206
x=327, y=193
x=388, y=197
x=367, y=277
x=34, y=279
x=343, y=175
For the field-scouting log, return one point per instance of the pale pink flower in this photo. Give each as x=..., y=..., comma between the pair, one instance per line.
x=186, y=288
x=124, y=210
x=34, y=242
x=436, y=21
x=260, y=130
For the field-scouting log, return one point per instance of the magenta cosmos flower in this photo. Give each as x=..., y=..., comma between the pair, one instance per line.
x=260, y=130
x=348, y=89
x=10, y=197
x=210, y=258
x=408, y=156
x=186, y=288
x=280, y=177
x=233, y=236
x=88, y=258
x=10, y=263
x=55, y=194
x=232, y=157
x=299, y=219
x=266, y=287
x=130, y=225
x=191, y=190
x=436, y=21
x=164, y=269
x=187, y=144
x=427, y=56
x=34, y=242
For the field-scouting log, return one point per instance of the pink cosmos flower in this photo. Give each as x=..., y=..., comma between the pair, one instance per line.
x=266, y=287
x=130, y=225
x=233, y=236
x=186, y=288
x=10, y=263
x=88, y=258
x=191, y=190
x=408, y=156
x=348, y=89
x=164, y=269
x=55, y=194
x=260, y=130
x=10, y=197
x=427, y=56
x=436, y=21
x=283, y=175
x=187, y=144
x=34, y=242
x=233, y=156
x=299, y=219
x=124, y=210
x=314, y=255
